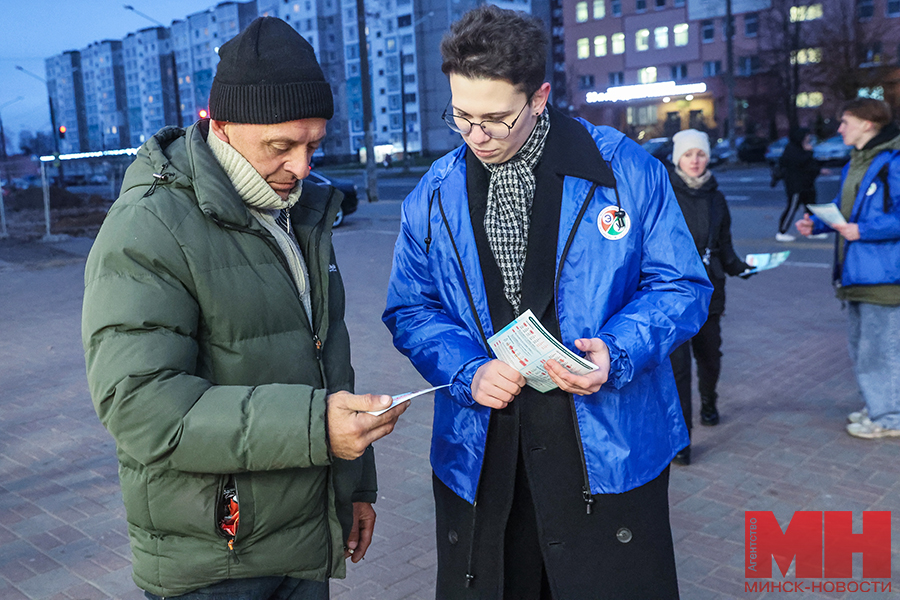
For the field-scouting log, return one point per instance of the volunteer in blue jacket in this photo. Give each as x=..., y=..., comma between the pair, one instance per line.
x=560, y=494
x=867, y=261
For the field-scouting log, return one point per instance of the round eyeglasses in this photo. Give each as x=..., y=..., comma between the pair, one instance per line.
x=493, y=129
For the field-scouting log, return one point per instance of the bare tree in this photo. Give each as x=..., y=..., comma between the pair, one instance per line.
x=852, y=55
x=784, y=38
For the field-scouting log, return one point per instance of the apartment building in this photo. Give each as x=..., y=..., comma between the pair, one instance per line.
x=149, y=82
x=319, y=22
x=653, y=67
x=66, y=88
x=162, y=75
x=105, y=103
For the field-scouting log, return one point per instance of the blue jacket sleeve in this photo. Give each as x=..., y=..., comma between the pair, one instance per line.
x=672, y=299
x=436, y=340
x=884, y=227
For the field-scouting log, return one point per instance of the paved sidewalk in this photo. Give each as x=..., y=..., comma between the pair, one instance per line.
x=786, y=388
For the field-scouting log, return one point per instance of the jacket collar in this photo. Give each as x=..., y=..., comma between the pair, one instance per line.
x=571, y=151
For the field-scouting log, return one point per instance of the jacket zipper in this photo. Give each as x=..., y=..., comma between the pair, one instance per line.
x=586, y=487
x=317, y=341
x=281, y=259
x=228, y=514
x=470, y=576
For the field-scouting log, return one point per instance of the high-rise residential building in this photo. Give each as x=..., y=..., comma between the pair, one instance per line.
x=66, y=89
x=104, y=95
x=149, y=83
x=129, y=87
x=319, y=22
x=196, y=40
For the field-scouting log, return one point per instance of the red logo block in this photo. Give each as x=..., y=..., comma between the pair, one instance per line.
x=822, y=543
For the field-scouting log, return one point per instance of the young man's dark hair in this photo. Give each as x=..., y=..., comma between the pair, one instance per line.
x=491, y=43
x=570, y=479
x=869, y=109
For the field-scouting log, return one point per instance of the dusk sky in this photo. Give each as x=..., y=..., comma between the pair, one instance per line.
x=32, y=30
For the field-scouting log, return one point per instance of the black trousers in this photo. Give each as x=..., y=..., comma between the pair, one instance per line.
x=707, y=349
x=794, y=201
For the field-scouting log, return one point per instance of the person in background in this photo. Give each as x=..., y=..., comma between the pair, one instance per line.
x=217, y=354
x=799, y=170
x=867, y=261
x=709, y=222
x=558, y=494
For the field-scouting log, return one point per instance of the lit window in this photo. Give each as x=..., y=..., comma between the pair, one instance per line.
x=810, y=12
x=680, y=32
x=600, y=45
x=642, y=40
x=581, y=12
x=806, y=56
x=584, y=48
x=661, y=37
x=618, y=43
x=809, y=99
x=647, y=75
x=600, y=9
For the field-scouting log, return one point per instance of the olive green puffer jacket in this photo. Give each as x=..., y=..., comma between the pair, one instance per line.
x=203, y=366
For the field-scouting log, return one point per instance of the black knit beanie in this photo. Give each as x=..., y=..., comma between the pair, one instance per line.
x=269, y=74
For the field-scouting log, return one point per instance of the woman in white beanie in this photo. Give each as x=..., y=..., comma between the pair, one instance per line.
x=709, y=221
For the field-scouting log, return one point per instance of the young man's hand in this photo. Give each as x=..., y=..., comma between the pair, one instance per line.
x=595, y=351
x=805, y=225
x=850, y=231
x=496, y=384
x=351, y=429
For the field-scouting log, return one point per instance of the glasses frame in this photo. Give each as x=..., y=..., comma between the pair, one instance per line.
x=450, y=120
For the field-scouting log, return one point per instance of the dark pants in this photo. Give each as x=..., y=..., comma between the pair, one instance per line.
x=706, y=346
x=258, y=588
x=794, y=201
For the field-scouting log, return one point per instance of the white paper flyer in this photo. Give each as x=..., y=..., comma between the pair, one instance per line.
x=526, y=346
x=763, y=262
x=401, y=398
x=829, y=213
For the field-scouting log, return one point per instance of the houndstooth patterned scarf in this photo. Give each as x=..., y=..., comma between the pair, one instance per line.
x=508, y=215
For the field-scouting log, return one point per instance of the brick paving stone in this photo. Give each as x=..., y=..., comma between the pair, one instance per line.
x=48, y=583
x=786, y=389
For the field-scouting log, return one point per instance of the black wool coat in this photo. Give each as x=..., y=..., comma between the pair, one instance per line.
x=535, y=442
x=709, y=221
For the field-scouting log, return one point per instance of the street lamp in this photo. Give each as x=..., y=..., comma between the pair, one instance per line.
x=3, y=233
x=403, y=91
x=177, y=93
x=52, y=111
x=2, y=132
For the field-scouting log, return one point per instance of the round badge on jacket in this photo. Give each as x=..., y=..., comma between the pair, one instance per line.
x=612, y=227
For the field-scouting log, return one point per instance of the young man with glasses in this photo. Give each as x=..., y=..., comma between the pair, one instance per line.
x=561, y=494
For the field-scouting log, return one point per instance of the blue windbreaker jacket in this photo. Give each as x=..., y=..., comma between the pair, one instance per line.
x=874, y=258
x=643, y=294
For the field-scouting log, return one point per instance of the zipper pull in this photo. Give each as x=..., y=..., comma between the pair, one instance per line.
x=233, y=553
x=318, y=343
x=588, y=499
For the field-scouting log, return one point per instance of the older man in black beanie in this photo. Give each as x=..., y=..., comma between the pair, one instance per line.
x=216, y=349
